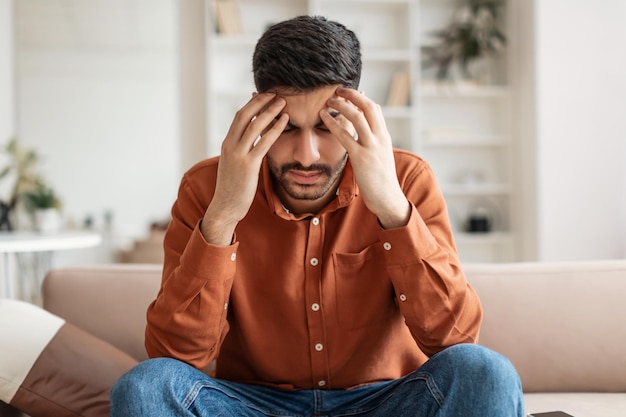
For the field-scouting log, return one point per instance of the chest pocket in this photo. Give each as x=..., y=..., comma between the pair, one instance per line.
x=364, y=294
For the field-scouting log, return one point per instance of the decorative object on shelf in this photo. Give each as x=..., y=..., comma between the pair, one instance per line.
x=28, y=189
x=479, y=222
x=228, y=18
x=469, y=41
x=481, y=218
x=400, y=90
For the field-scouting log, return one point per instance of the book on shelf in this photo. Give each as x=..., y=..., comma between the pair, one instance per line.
x=400, y=90
x=228, y=18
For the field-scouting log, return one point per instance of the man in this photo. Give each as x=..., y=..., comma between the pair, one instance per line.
x=314, y=263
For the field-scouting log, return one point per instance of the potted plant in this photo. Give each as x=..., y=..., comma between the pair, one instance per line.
x=28, y=190
x=472, y=36
x=44, y=205
x=20, y=173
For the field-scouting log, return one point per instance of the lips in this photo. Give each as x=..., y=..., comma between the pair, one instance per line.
x=306, y=177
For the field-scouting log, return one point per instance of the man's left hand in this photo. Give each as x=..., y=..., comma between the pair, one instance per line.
x=371, y=155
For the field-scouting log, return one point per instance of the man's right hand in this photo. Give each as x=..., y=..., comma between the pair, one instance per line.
x=240, y=161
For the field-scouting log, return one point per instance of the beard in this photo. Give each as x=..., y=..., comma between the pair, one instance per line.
x=330, y=177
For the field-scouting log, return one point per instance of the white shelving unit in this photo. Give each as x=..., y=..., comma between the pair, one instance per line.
x=464, y=131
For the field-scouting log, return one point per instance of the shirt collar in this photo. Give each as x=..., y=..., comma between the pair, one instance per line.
x=346, y=192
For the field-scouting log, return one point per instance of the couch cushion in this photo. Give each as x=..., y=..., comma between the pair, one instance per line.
x=578, y=404
x=26, y=331
x=108, y=301
x=50, y=368
x=561, y=324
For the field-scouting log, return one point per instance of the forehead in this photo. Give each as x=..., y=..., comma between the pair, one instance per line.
x=303, y=107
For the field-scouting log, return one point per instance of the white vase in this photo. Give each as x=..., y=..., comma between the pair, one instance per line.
x=48, y=220
x=481, y=70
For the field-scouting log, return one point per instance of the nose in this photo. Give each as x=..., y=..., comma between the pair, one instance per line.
x=306, y=150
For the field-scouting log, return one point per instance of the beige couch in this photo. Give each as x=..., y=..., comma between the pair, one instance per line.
x=562, y=326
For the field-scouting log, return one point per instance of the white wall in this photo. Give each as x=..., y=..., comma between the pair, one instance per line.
x=98, y=99
x=581, y=128
x=7, y=66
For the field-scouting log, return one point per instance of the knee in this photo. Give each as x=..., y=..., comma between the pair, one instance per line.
x=484, y=365
x=473, y=375
x=146, y=380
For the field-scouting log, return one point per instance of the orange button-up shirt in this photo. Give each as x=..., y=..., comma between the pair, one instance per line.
x=321, y=300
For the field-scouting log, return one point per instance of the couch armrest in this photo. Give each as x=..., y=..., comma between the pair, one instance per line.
x=108, y=301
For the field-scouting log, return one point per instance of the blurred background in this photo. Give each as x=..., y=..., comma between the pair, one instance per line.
x=114, y=97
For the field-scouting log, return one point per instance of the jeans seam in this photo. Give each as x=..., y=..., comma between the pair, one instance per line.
x=433, y=388
x=193, y=393
x=419, y=376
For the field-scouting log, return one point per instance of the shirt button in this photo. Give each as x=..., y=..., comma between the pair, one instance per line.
x=315, y=307
x=387, y=246
x=321, y=383
x=233, y=256
x=314, y=261
x=319, y=347
x=402, y=297
x=316, y=221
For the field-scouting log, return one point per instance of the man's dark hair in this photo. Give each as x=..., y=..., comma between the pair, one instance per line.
x=305, y=53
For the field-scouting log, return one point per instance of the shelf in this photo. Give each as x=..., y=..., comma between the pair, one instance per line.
x=489, y=238
x=475, y=189
x=324, y=3
x=465, y=141
x=391, y=55
x=245, y=39
x=401, y=112
x=462, y=91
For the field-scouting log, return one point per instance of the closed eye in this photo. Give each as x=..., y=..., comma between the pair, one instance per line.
x=290, y=127
x=320, y=126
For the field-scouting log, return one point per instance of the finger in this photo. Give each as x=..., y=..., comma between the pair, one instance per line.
x=262, y=122
x=372, y=111
x=354, y=116
x=244, y=116
x=345, y=138
x=270, y=136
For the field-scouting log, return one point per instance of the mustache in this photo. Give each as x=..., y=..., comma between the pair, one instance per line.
x=299, y=167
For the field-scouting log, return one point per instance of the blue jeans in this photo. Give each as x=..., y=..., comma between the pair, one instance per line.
x=461, y=381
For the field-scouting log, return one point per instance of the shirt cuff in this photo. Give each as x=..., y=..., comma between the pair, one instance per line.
x=207, y=261
x=402, y=243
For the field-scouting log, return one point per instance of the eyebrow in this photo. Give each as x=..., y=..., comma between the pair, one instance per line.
x=319, y=122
